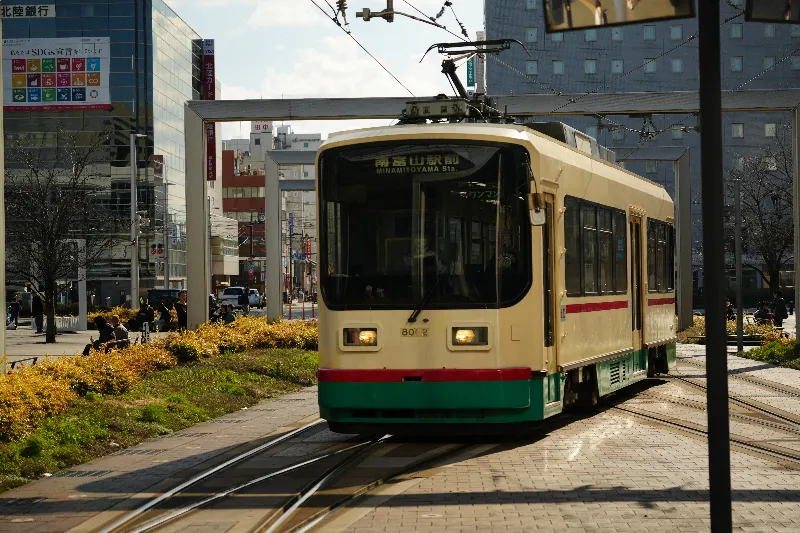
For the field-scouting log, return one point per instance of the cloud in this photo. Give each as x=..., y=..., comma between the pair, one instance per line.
x=296, y=13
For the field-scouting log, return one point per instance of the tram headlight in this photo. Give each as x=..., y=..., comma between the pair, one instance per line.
x=471, y=336
x=360, y=337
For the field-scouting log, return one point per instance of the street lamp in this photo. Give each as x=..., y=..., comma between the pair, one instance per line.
x=134, y=224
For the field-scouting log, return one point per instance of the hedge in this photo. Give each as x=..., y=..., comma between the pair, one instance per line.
x=30, y=395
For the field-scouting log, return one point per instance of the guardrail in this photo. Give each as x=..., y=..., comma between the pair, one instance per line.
x=63, y=324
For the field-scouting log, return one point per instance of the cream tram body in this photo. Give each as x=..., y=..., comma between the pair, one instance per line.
x=561, y=330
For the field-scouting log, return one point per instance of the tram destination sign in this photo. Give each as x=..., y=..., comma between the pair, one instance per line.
x=421, y=164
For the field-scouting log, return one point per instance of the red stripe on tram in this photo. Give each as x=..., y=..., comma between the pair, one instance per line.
x=335, y=375
x=660, y=301
x=596, y=306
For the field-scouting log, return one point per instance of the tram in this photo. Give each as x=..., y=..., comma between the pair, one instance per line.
x=477, y=274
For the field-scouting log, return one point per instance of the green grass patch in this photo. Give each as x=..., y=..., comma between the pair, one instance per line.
x=778, y=353
x=164, y=402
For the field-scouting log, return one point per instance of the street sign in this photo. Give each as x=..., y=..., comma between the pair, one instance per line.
x=174, y=234
x=291, y=224
x=471, y=72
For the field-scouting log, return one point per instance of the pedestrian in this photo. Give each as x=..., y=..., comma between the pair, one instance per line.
x=14, y=308
x=780, y=309
x=105, y=334
x=790, y=304
x=37, y=310
x=180, y=308
x=244, y=301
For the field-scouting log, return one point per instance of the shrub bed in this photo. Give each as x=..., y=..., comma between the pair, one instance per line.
x=693, y=334
x=30, y=396
x=780, y=352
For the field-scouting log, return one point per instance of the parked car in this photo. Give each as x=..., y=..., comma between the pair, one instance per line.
x=231, y=296
x=165, y=296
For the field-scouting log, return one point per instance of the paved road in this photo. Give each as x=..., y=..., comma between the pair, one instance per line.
x=607, y=472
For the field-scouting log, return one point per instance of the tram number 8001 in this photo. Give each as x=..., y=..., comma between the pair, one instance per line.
x=414, y=332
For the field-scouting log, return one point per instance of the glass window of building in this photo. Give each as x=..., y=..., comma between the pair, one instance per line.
x=737, y=3
x=591, y=131
x=532, y=4
x=649, y=33
x=616, y=34
x=736, y=64
x=557, y=37
x=532, y=35
x=257, y=141
x=650, y=65
x=737, y=131
x=617, y=66
x=532, y=68
x=677, y=65
x=677, y=132
x=651, y=167
x=590, y=66
x=795, y=63
x=558, y=67
x=590, y=35
x=795, y=30
x=769, y=31
x=770, y=129
x=676, y=32
x=738, y=163
x=769, y=62
x=224, y=193
x=618, y=134
x=736, y=31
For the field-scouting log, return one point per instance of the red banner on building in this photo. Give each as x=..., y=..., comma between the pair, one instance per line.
x=211, y=151
x=308, y=246
x=209, y=74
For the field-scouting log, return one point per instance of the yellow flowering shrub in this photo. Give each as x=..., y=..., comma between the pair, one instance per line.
x=28, y=396
x=123, y=313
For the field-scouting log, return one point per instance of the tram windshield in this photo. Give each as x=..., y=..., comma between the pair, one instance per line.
x=443, y=221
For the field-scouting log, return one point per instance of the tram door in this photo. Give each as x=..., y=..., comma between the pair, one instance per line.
x=549, y=292
x=636, y=281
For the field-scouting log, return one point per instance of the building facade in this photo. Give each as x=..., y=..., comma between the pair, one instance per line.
x=660, y=56
x=246, y=163
x=154, y=65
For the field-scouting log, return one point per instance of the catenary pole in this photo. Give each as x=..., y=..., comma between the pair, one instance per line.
x=708, y=14
x=135, y=230
x=738, y=251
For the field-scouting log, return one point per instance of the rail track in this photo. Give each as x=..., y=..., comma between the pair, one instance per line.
x=327, y=478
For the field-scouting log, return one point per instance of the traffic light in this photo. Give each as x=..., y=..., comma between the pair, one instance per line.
x=160, y=249
x=152, y=249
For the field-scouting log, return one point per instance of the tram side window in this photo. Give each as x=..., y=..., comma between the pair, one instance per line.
x=660, y=257
x=572, y=242
x=589, y=220
x=620, y=253
x=596, y=243
x=606, y=234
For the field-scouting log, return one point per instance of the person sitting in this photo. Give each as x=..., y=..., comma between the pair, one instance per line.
x=164, y=318
x=105, y=334
x=229, y=315
x=121, y=337
x=763, y=315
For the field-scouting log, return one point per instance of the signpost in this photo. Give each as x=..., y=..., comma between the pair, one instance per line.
x=471, y=73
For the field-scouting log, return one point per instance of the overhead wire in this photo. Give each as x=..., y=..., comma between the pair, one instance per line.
x=338, y=24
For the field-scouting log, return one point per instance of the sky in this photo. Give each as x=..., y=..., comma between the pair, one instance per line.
x=290, y=49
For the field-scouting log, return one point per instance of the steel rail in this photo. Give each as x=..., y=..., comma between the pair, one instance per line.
x=227, y=492
x=776, y=452
x=774, y=385
x=205, y=474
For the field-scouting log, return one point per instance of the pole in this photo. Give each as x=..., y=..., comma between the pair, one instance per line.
x=2, y=223
x=82, y=296
x=167, y=235
x=719, y=465
x=196, y=187
x=134, y=227
x=796, y=210
x=209, y=279
x=739, y=311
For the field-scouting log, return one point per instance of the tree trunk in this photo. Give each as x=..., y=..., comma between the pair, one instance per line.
x=50, y=310
x=774, y=279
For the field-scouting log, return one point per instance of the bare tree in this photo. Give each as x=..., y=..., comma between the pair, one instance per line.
x=54, y=197
x=766, y=199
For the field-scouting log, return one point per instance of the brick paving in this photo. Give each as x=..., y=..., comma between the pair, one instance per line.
x=609, y=472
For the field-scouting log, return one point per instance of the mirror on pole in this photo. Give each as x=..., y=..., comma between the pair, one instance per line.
x=568, y=15
x=777, y=11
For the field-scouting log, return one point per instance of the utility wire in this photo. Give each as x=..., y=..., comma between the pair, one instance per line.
x=364, y=49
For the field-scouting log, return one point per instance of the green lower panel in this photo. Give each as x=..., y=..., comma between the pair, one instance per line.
x=437, y=402
x=615, y=374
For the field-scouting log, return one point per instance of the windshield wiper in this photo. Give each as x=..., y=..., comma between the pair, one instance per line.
x=427, y=296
